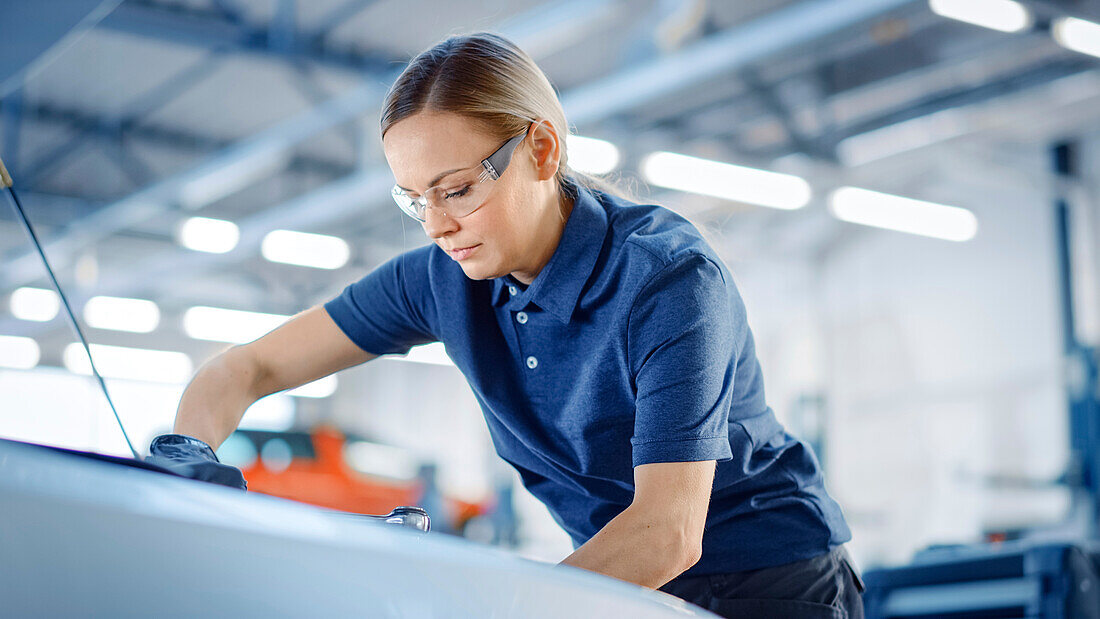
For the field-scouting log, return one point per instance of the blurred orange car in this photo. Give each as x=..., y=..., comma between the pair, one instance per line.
x=312, y=468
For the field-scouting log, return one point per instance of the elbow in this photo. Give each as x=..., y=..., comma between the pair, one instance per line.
x=677, y=539
x=691, y=555
x=688, y=548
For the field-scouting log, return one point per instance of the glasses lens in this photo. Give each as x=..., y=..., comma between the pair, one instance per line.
x=408, y=205
x=461, y=194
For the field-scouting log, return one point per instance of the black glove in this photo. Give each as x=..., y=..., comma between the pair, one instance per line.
x=194, y=459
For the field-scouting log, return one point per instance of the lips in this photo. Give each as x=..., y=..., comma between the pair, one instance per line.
x=462, y=253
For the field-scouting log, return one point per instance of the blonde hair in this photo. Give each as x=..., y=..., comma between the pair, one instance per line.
x=489, y=80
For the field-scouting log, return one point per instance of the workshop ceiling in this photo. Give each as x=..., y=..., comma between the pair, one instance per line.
x=158, y=88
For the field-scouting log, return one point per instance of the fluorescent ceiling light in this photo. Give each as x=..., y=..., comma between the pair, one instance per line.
x=1078, y=35
x=303, y=249
x=590, y=155
x=1003, y=15
x=433, y=353
x=215, y=236
x=882, y=210
x=724, y=180
x=122, y=314
x=320, y=388
x=37, y=304
x=21, y=353
x=158, y=366
x=224, y=325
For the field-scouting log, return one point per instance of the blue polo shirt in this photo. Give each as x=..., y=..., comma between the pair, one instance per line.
x=631, y=346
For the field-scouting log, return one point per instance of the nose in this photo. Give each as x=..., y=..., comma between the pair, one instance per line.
x=437, y=224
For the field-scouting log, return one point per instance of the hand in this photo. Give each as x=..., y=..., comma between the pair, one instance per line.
x=194, y=459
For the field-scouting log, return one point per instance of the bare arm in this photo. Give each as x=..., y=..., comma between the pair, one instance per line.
x=307, y=347
x=660, y=535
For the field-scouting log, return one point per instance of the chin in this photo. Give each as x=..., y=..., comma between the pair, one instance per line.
x=476, y=271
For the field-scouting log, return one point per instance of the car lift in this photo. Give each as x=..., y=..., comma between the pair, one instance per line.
x=1022, y=577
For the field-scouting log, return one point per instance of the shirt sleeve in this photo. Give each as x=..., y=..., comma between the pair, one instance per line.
x=386, y=311
x=681, y=346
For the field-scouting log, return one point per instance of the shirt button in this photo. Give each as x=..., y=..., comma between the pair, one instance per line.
x=532, y=362
x=512, y=290
x=521, y=318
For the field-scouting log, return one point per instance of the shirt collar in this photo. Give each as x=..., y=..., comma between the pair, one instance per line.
x=501, y=292
x=557, y=287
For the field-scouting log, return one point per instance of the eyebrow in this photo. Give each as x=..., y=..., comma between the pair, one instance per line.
x=435, y=180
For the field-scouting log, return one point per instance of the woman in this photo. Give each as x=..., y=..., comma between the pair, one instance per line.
x=605, y=341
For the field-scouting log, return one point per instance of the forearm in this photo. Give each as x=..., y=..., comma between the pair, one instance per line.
x=637, y=547
x=216, y=398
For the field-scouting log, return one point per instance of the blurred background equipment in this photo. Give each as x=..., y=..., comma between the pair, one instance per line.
x=1047, y=571
x=924, y=317
x=324, y=468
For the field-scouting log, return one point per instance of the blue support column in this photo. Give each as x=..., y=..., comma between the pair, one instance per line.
x=1082, y=382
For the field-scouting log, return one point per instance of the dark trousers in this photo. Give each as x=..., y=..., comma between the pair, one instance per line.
x=827, y=586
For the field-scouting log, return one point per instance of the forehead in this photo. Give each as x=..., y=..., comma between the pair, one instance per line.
x=425, y=145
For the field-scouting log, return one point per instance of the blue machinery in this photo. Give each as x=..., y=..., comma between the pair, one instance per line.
x=1022, y=578
x=1014, y=579
x=1083, y=474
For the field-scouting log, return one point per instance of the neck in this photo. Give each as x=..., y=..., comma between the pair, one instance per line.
x=557, y=210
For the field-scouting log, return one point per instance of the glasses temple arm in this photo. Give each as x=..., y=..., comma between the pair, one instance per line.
x=498, y=161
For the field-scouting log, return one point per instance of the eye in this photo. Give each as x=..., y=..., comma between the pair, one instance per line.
x=457, y=194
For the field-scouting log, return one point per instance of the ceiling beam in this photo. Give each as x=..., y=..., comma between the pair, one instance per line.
x=263, y=149
x=716, y=55
x=213, y=29
x=255, y=155
x=709, y=58
x=88, y=126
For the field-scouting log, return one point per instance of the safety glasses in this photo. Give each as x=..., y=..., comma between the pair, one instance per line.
x=462, y=192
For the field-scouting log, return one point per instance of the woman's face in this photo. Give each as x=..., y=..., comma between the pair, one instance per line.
x=511, y=231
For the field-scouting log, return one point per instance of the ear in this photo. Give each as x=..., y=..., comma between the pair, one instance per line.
x=545, y=149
